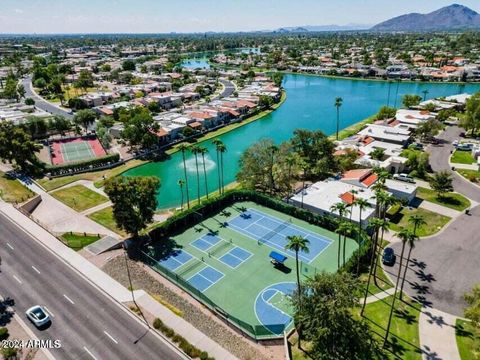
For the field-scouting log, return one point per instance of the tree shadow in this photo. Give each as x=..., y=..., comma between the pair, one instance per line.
x=430, y=355
x=424, y=276
x=160, y=250
x=422, y=300
x=460, y=331
x=405, y=315
x=419, y=288
x=420, y=264
x=225, y=213
x=436, y=320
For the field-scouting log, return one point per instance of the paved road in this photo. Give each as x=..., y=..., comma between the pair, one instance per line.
x=40, y=102
x=439, y=156
x=88, y=323
x=229, y=89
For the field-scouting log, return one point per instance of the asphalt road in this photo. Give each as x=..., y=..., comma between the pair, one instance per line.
x=88, y=323
x=229, y=89
x=40, y=102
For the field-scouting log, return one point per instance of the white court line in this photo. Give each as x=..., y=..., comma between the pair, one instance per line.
x=16, y=278
x=49, y=312
x=10, y=246
x=210, y=281
x=70, y=300
x=89, y=353
x=34, y=268
x=111, y=337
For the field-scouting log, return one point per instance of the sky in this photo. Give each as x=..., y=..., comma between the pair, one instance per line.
x=161, y=16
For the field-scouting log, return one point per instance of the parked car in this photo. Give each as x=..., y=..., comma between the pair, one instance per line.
x=465, y=147
x=417, y=146
x=388, y=257
x=462, y=134
x=38, y=316
x=404, y=177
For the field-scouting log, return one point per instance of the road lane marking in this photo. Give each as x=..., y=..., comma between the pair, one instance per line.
x=89, y=353
x=10, y=246
x=49, y=312
x=111, y=337
x=66, y=297
x=16, y=278
x=34, y=268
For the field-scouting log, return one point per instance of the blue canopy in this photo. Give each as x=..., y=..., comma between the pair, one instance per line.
x=278, y=257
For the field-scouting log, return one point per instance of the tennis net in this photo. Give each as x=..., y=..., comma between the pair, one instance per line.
x=275, y=231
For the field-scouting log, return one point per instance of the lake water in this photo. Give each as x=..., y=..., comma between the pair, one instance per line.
x=200, y=63
x=309, y=105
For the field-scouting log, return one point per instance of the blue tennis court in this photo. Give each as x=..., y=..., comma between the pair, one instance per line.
x=206, y=242
x=177, y=259
x=269, y=230
x=235, y=257
x=205, y=278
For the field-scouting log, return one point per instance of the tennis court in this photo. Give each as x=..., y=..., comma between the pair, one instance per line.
x=223, y=261
x=75, y=150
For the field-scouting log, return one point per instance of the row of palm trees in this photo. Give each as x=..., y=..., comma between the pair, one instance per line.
x=201, y=151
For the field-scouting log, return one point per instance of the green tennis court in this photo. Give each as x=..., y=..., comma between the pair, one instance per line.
x=77, y=151
x=224, y=262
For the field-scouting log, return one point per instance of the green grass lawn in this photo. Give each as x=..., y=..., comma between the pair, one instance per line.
x=105, y=217
x=462, y=157
x=404, y=341
x=470, y=175
x=451, y=200
x=78, y=241
x=382, y=280
x=79, y=197
x=468, y=340
x=96, y=176
x=13, y=191
x=435, y=221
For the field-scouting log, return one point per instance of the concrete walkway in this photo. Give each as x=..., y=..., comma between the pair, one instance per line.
x=96, y=208
x=380, y=296
x=437, y=335
x=465, y=166
x=111, y=287
x=439, y=209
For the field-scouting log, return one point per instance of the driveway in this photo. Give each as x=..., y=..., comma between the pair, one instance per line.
x=228, y=90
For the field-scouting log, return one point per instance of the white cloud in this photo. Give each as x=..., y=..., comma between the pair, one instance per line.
x=18, y=11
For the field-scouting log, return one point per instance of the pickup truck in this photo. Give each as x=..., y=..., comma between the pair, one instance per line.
x=404, y=177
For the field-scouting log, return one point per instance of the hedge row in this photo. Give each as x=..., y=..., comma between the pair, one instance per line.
x=188, y=348
x=113, y=158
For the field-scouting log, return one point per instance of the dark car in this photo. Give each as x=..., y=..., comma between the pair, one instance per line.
x=388, y=257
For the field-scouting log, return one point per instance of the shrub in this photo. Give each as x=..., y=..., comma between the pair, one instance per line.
x=204, y=355
x=3, y=333
x=9, y=353
x=157, y=323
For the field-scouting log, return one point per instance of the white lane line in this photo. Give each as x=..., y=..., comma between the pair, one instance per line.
x=89, y=353
x=70, y=300
x=34, y=268
x=16, y=278
x=10, y=246
x=49, y=312
x=111, y=337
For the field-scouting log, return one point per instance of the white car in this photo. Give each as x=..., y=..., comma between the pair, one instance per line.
x=404, y=177
x=38, y=316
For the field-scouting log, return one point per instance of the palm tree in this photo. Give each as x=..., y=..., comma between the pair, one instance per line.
x=389, y=87
x=297, y=243
x=195, y=151
x=362, y=204
x=345, y=228
x=183, y=148
x=417, y=221
x=375, y=224
x=217, y=143
x=406, y=236
x=425, y=93
x=396, y=93
x=273, y=150
x=181, y=183
x=290, y=161
x=222, y=149
x=383, y=227
x=341, y=209
x=202, y=151
x=338, y=105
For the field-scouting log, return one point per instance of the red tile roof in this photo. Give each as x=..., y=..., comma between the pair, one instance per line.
x=347, y=198
x=195, y=124
x=356, y=174
x=369, y=180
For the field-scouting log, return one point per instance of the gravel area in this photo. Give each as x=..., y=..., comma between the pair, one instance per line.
x=215, y=329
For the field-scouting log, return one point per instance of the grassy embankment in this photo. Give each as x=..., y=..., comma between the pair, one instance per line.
x=12, y=190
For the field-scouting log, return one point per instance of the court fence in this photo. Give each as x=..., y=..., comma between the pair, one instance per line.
x=256, y=332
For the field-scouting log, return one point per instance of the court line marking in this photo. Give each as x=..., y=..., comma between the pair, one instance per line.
x=10, y=246
x=48, y=311
x=210, y=281
x=70, y=300
x=230, y=266
x=111, y=337
x=34, y=268
x=16, y=278
x=89, y=353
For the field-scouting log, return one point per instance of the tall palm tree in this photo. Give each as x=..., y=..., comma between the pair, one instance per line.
x=217, y=143
x=425, y=93
x=183, y=148
x=396, y=93
x=389, y=87
x=297, y=243
x=195, y=151
x=273, y=150
x=362, y=205
x=341, y=209
x=338, y=105
x=406, y=236
x=181, y=183
x=384, y=224
x=417, y=221
x=375, y=224
x=345, y=228
x=222, y=149
x=290, y=161
x=202, y=151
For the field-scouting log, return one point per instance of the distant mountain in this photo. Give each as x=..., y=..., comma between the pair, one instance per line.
x=319, y=28
x=453, y=17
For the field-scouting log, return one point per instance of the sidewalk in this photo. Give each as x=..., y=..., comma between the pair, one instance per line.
x=380, y=295
x=112, y=287
x=437, y=335
x=439, y=209
x=465, y=166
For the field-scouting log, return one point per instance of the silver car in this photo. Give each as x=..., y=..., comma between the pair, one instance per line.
x=38, y=316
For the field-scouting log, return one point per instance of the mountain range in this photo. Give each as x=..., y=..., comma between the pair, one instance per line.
x=453, y=17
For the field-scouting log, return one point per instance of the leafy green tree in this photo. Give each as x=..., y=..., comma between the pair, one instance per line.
x=277, y=78
x=410, y=100
x=266, y=101
x=386, y=112
x=60, y=124
x=377, y=154
x=323, y=310
x=37, y=127
x=429, y=128
x=141, y=130
x=134, y=201
x=128, y=65
x=472, y=312
x=10, y=90
x=471, y=120
x=84, y=81
x=85, y=118
x=442, y=183
x=29, y=102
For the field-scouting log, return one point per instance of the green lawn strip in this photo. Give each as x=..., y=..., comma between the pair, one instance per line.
x=451, y=200
x=78, y=241
x=435, y=221
x=79, y=197
x=105, y=217
x=96, y=176
x=231, y=127
x=404, y=342
x=470, y=175
x=468, y=340
x=353, y=129
x=13, y=191
x=462, y=157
